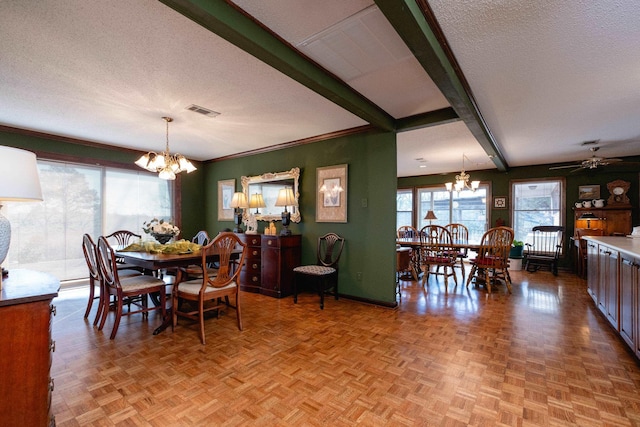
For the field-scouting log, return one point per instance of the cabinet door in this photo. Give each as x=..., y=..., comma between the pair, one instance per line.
x=608, y=286
x=628, y=298
x=593, y=275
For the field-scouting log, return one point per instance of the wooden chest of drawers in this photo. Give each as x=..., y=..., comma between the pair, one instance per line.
x=269, y=264
x=25, y=359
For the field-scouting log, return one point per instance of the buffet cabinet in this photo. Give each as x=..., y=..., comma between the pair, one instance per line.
x=25, y=360
x=613, y=220
x=268, y=267
x=613, y=281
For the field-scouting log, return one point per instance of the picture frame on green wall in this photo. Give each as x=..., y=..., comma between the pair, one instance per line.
x=500, y=202
x=331, y=200
x=226, y=188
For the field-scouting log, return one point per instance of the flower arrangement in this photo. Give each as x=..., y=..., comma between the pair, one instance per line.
x=161, y=230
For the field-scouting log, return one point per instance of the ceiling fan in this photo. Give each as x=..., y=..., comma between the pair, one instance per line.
x=592, y=162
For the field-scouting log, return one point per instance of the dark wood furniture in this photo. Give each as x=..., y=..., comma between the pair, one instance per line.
x=544, y=248
x=270, y=262
x=492, y=261
x=612, y=219
x=325, y=272
x=25, y=359
x=207, y=292
x=613, y=281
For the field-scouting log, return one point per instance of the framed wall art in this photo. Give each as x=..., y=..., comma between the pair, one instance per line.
x=500, y=202
x=588, y=192
x=331, y=200
x=226, y=188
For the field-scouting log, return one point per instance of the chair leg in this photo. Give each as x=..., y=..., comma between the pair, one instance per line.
x=201, y=317
x=295, y=287
x=100, y=308
x=335, y=286
x=238, y=311
x=321, y=290
x=92, y=287
x=473, y=271
x=105, y=310
x=116, y=323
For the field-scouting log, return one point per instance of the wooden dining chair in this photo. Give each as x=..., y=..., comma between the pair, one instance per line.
x=492, y=262
x=325, y=272
x=582, y=247
x=406, y=232
x=212, y=288
x=195, y=271
x=460, y=235
x=124, y=238
x=125, y=290
x=95, y=280
x=437, y=253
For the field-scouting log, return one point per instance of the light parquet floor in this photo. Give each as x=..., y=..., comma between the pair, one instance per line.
x=542, y=356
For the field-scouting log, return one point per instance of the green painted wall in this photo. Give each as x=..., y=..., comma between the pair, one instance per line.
x=370, y=230
x=500, y=186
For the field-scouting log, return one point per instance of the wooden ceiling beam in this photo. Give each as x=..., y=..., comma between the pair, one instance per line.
x=416, y=24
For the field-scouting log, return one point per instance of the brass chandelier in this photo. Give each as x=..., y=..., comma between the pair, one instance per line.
x=165, y=164
x=462, y=181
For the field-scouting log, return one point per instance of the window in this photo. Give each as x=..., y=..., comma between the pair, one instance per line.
x=536, y=202
x=404, y=207
x=467, y=207
x=78, y=199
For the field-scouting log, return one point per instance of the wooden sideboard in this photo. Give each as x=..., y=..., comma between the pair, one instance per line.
x=611, y=219
x=269, y=264
x=25, y=359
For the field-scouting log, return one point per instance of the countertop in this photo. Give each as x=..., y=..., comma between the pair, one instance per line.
x=628, y=245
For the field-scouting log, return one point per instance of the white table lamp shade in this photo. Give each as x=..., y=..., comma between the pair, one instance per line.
x=19, y=182
x=19, y=179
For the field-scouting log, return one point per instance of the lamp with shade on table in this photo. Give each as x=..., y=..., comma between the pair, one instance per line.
x=286, y=198
x=430, y=216
x=19, y=182
x=256, y=201
x=238, y=202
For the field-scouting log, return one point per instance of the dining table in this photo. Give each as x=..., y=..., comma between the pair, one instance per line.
x=152, y=259
x=415, y=243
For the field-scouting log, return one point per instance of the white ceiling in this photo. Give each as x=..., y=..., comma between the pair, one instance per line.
x=546, y=76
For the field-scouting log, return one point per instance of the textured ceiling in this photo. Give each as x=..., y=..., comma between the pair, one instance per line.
x=546, y=76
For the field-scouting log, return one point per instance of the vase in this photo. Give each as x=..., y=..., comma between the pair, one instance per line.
x=162, y=238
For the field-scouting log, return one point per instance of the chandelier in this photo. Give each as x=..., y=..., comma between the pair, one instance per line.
x=166, y=164
x=462, y=181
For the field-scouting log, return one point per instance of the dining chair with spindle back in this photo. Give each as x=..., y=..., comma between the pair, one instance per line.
x=492, y=262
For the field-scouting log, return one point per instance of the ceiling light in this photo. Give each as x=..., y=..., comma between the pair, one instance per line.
x=165, y=164
x=462, y=181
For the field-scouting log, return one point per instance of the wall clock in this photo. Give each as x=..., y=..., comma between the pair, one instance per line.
x=618, y=193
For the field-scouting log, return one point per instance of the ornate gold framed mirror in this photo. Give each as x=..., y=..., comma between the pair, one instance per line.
x=269, y=185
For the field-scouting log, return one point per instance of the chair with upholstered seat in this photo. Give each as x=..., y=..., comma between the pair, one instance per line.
x=325, y=272
x=132, y=290
x=437, y=253
x=492, y=262
x=212, y=288
x=459, y=235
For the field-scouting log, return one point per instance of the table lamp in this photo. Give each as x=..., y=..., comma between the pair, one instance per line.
x=257, y=201
x=589, y=216
x=430, y=216
x=286, y=198
x=238, y=202
x=19, y=182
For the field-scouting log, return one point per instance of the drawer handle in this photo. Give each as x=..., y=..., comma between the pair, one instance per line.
x=255, y=252
x=269, y=243
x=52, y=346
x=51, y=384
x=255, y=266
x=254, y=241
x=254, y=278
x=52, y=309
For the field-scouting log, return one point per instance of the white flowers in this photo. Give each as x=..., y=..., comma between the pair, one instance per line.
x=160, y=226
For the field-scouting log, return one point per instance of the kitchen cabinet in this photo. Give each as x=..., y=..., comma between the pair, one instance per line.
x=613, y=220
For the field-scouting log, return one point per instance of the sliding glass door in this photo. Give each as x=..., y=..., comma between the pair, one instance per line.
x=78, y=199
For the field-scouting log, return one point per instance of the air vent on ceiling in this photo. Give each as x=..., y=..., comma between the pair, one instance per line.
x=201, y=110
